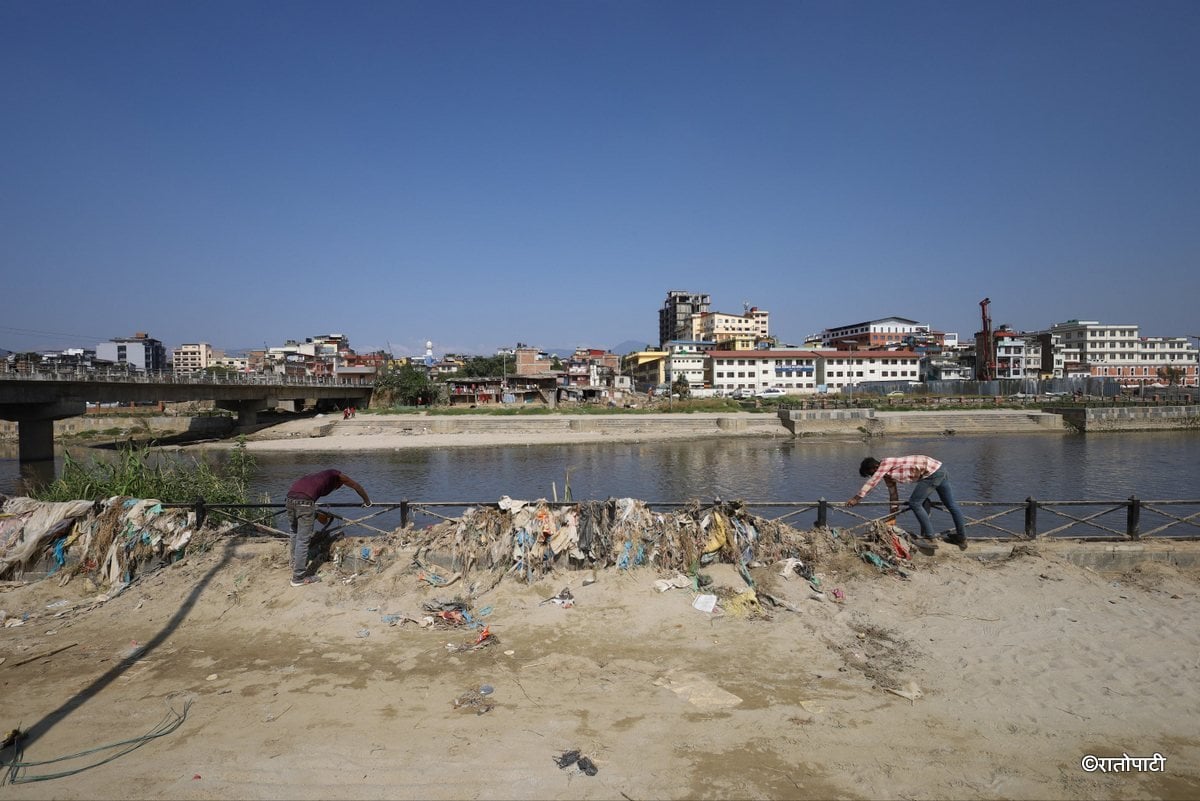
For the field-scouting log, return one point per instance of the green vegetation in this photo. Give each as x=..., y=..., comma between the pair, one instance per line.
x=406, y=386
x=137, y=473
x=500, y=411
x=1171, y=374
x=487, y=367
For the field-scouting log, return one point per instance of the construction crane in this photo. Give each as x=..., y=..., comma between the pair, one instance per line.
x=985, y=362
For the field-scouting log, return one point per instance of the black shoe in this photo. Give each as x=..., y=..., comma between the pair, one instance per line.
x=959, y=540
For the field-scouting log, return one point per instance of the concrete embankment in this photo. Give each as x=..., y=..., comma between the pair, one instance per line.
x=138, y=426
x=696, y=424
x=1135, y=418
x=808, y=422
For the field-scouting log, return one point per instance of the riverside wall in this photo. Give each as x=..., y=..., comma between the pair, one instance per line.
x=118, y=426
x=699, y=424
x=1134, y=418
x=869, y=422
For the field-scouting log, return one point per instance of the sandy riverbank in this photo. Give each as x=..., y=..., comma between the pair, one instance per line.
x=364, y=434
x=1012, y=672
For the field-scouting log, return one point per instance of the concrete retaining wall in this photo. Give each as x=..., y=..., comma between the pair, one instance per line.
x=131, y=425
x=700, y=424
x=873, y=423
x=1132, y=418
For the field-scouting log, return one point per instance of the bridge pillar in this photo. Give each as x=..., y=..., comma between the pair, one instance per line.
x=35, y=435
x=247, y=410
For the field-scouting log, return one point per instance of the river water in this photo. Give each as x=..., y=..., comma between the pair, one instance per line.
x=997, y=468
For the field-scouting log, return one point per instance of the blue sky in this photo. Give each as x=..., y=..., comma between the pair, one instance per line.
x=485, y=173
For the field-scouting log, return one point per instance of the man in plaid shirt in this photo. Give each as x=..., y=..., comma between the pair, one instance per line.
x=928, y=475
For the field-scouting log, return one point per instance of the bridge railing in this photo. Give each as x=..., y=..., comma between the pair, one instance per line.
x=1128, y=520
x=198, y=379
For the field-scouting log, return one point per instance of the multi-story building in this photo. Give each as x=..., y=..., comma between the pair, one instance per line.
x=1118, y=352
x=755, y=370
x=719, y=327
x=70, y=359
x=193, y=357
x=688, y=359
x=140, y=352
x=237, y=364
x=1010, y=353
x=675, y=316
x=839, y=369
x=875, y=334
x=531, y=361
x=647, y=368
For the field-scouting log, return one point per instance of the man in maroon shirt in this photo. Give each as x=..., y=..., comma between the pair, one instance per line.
x=301, y=508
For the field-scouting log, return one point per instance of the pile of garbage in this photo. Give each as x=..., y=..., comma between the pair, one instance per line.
x=530, y=540
x=108, y=541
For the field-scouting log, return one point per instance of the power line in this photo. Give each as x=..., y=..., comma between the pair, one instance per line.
x=28, y=331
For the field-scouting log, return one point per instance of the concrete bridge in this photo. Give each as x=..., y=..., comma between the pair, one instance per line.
x=35, y=401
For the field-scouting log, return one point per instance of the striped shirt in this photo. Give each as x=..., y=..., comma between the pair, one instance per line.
x=904, y=469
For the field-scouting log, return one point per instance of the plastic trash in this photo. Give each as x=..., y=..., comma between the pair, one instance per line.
x=705, y=603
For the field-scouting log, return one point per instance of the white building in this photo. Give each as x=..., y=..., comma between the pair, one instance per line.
x=840, y=369
x=688, y=359
x=1118, y=352
x=754, y=370
x=193, y=357
x=885, y=332
x=140, y=352
x=755, y=324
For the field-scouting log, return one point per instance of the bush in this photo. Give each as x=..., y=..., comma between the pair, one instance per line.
x=136, y=473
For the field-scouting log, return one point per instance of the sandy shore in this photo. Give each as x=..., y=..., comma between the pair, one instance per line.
x=306, y=435
x=1012, y=672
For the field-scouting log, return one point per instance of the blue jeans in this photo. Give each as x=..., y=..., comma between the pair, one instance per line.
x=300, y=515
x=939, y=481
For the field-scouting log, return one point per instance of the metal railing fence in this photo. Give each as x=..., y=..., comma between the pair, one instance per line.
x=1127, y=520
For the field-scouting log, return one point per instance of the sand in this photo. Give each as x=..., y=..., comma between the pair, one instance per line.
x=304, y=435
x=1009, y=672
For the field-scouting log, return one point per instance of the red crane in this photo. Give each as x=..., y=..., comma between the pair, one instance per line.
x=985, y=361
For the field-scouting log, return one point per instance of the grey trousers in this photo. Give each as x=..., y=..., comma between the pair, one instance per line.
x=301, y=514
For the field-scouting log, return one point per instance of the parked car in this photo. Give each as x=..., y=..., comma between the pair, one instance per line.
x=772, y=392
x=895, y=394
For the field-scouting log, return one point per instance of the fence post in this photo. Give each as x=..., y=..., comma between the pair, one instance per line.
x=1135, y=513
x=403, y=514
x=201, y=512
x=822, y=513
x=1031, y=518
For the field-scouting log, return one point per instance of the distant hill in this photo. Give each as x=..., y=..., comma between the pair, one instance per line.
x=628, y=346
x=631, y=345
x=4, y=353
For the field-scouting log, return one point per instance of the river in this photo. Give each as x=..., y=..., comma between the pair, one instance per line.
x=999, y=468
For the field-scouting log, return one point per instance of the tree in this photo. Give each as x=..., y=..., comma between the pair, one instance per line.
x=487, y=367
x=1170, y=374
x=681, y=387
x=406, y=385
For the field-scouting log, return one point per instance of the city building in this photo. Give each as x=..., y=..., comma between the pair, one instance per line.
x=754, y=326
x=879, y=334
x=647, y=368
x=193, y=357
x=236, y=364
x=531, y=361
x=1119, y=352
x=688, y=359
x=140, y=352
x=754, y=370
x=675, y=316
x=839, y=369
